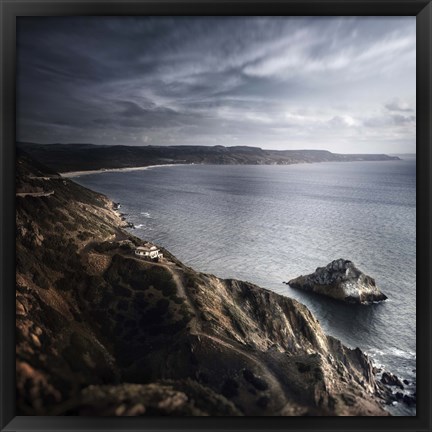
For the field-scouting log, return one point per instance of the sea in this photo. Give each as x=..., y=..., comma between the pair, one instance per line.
x=267, y=224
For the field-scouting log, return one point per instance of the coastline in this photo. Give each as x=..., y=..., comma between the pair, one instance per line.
x=393, y=396
x=202, y=326
x=72, y=174
x=394, y=408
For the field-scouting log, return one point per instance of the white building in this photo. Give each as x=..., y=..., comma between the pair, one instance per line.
x=148, y=251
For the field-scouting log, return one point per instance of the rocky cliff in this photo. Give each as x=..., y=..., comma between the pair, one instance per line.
x=341, y=280
x=103, y=332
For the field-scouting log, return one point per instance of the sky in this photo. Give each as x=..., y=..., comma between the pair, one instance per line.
x=344, y=84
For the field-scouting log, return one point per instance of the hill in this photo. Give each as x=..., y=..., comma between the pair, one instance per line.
x=103, y=332
x=77, y=157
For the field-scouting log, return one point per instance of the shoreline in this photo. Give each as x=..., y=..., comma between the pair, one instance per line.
x=396, y=408
x=392, y=409
x=71, y=174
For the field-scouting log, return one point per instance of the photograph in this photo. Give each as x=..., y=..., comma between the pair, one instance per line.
x=216, y=216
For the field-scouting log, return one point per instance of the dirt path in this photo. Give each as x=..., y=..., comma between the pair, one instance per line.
x=195, y=327
x=194, y=323
x=45, y=178
x=265, y=372
x=34, y=194
x=196, y=330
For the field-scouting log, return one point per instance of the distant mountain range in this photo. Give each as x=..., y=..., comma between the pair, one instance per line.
x=76, y=157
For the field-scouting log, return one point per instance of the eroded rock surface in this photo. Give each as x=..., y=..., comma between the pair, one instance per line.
x=341, y=280
x=391, y=380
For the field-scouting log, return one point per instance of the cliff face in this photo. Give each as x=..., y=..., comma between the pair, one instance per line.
x=103, y=332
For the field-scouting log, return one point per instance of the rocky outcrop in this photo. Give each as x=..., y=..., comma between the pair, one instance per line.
x=341, y=280
x=391, y=380
x=101, y=332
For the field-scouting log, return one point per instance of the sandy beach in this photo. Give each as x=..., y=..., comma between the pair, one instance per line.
x=70, y=174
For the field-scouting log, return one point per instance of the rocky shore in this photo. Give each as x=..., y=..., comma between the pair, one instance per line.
x=341, y=280
x=103, y=332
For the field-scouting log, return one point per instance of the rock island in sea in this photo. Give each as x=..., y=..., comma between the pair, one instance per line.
x=101, y=331
x=341, y=280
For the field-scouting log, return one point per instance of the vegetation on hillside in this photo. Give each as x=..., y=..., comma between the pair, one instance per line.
x=103, y=332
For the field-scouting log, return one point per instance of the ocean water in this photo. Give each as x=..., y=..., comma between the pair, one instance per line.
x=269, y=224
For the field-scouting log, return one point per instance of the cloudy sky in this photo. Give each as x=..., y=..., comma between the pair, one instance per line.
x=341, y=84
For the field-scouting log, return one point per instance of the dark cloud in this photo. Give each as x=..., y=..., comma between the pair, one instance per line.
x=273, y=82
x=132, y=115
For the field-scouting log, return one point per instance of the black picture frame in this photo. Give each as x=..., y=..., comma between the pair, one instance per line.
x=422, y=9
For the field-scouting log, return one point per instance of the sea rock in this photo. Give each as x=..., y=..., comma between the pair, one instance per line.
x=341, y=280
x=391, y=380
x=409, y=400
x=398, y=396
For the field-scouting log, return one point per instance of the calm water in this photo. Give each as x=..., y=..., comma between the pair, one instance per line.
x=268, y=224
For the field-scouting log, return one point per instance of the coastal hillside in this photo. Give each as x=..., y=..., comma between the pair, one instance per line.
x=101, y=331
x=76, y=157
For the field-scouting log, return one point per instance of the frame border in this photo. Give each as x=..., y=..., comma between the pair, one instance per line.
x=11, y=9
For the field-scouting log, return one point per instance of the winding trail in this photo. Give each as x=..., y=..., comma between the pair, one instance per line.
x=265, y=372
x=53, y=177
x=196, y=329
x=34, y=194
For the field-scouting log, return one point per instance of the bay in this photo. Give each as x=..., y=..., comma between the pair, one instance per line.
x=269, y=224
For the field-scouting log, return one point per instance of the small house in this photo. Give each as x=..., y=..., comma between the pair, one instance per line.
x=148, y=251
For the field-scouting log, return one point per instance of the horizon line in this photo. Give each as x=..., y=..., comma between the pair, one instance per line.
x=204, y=145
